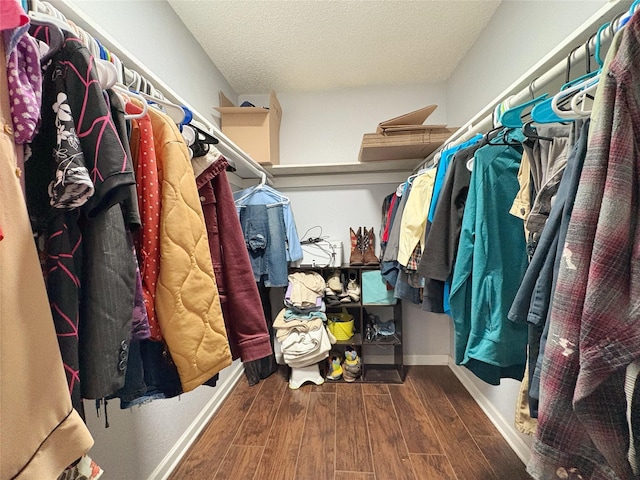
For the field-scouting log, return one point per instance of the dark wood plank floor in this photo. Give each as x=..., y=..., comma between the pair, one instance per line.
x=428, y=428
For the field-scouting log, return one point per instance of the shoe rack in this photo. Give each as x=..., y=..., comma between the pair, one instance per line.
x=381, y=356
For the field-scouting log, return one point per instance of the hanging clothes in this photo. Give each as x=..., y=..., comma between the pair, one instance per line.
x=264, y=227
x=443, y=233
x=147, y=239
x=389, y=265
x=80, y=193
x=547, y=160
x=34, y=387
x=242, y=311
x=490, y=264
x=265, y=195
x=535, y=295
x=187, y=300
x=594, y=333
x=389, y=208
x=443, y=166
x=414, y=216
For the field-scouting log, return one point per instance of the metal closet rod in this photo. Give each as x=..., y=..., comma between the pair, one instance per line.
x=227, y=147
x=484, y=124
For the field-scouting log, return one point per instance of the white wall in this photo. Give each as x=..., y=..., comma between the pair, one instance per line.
x=139, y=439
x=327, y=127
x=518, y=35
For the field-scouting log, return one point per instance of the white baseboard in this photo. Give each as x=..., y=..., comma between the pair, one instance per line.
x=505, y=427
x=426, y=359
x=169, y=462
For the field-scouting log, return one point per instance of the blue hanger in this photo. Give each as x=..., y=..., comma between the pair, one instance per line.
x=629, y=14
x=597, y=56
x=543, y=112
x=188, y=116
x=513, y=117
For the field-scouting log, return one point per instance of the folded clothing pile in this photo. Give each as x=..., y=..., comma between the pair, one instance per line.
x=300, y=327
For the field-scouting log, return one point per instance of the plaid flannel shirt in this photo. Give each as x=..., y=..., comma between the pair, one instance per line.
x=595, y=319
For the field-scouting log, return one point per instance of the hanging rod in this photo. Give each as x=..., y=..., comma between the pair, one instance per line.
x=545, y=72
x=226, y=146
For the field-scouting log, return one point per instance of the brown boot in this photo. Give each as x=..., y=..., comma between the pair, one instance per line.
x=356, y=247
x=368, y=247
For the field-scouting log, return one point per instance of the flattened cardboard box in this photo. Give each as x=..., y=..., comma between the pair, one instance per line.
x=255, y=130
x=408, y=145
x=411, y=121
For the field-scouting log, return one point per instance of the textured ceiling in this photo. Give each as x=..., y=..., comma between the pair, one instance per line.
x=308, y=45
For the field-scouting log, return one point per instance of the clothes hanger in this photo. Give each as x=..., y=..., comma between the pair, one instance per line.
x=198, y=134
x=116, y=61
x=544, y=111
x=504, y=140
x=566, y=96
x=38, y=13
x=589, y=80
x=53, y=34
x=173, y=111
x=125, y=91
x=629, y=14
x=253, y=189
x=262, y=185
x=512, y=117
x=579, y=101
x=529, y=131
x=422, y=171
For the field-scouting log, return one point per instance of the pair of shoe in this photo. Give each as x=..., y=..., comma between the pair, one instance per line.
x=362, y=247
x=377, y=330
x=335, y=292
x=350, y=369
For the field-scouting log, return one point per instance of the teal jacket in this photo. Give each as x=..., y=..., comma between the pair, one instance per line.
x=489, y=268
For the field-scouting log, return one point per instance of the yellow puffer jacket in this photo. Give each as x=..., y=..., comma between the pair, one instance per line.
x=187, y=301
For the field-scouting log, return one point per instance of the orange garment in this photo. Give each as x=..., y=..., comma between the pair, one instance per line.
x=147, y=241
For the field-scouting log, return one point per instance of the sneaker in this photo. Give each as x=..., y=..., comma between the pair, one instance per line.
x=335, y=369
x=352, y=366
x=353, y=289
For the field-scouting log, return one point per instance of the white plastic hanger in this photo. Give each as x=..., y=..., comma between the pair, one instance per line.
x=175, y=112
x=281, y=199
x=568, y=92
x=125, y=91
x=582, y=99
x=39, y=13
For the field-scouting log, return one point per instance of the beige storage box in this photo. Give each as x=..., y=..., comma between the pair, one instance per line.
x=256, y=130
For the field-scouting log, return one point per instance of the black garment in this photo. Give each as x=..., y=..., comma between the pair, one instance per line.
x=106, y=304
x=76, y=151
x=260, y=369
x=130, y=200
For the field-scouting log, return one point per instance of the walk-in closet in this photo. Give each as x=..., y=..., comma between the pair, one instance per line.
x=359, y=239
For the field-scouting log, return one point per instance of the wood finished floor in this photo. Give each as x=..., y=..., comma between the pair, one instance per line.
x=428, y=428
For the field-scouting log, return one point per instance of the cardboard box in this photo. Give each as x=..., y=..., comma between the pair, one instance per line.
x=256, y=130
x=416, y=144
x=412, y=121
